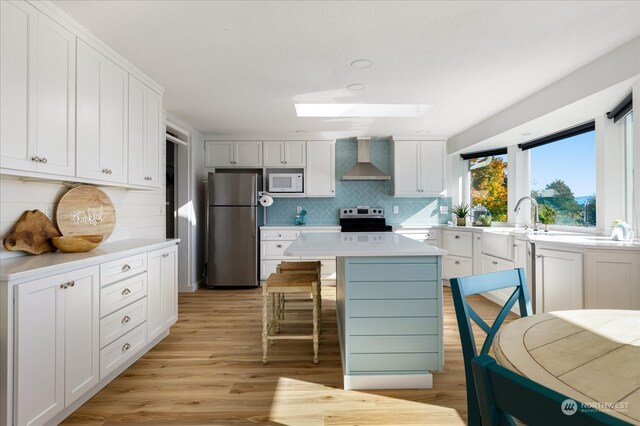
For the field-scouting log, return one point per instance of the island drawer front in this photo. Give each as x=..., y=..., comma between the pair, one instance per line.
x=121, y=321
x=400, y=290
x=393, y=362
x=278, y=235
x=121, y=294
x=455, y=267
x=406, y=326
x=395, y=272
x=393, y=308
x=274, y=249
x=122, y=349
x=268, y=267
x=328, y=268
x=459, y=243
x=393, y=344
x=116, y=270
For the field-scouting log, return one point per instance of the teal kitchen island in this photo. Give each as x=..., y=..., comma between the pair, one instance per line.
x=388, y=306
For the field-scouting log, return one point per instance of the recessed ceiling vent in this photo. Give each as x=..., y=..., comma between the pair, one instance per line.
x=364, y=169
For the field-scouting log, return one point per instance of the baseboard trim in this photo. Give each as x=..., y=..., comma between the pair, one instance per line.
x=389, y=381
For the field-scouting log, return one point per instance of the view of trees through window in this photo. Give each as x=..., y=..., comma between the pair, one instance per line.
x=563, y=180
x=489, y=185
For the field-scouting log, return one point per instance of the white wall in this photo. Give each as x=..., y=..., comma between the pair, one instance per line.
x=139, y=213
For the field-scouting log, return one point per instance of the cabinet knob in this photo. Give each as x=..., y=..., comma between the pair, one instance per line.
x=125, y=292
x=538, y=256
x=36, y=159
x=105, y=171
x=72, y=283
x=63, y=286
x=494, y=262
x=457, y=262
x=279, y=245
x=126, y=267
x=44, y=160
x=279, y=235
x=126, y=347
x=515, y=245
x=165, y=255
x=457, y=237
x=126, y=319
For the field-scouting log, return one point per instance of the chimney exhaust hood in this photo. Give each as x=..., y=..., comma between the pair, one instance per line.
x=363, y=169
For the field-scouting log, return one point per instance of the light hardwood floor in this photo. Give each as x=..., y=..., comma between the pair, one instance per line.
x=209, y=371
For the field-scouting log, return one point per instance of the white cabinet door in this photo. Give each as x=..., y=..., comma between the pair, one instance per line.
x=273, y=153
x=295, y=154
x=558, y=280
x=406, y=168
x=432, y=168
x=219, y=153
x=162, y=293
x=145, y=129
x=81, y=331
x=321, y=179
x=477, y=252
x=612, y=280
x=102, y=109
x=247, y=153
x=57, y=343
x=17, y=27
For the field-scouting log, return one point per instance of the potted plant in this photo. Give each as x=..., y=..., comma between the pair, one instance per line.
x=461, y=211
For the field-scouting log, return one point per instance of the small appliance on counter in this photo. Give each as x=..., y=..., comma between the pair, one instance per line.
x=234, y=216
x=363, y=219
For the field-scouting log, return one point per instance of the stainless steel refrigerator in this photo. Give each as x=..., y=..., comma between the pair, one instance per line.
x=233, y=237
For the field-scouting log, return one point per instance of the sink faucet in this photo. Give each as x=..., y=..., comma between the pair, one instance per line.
x=536, y=220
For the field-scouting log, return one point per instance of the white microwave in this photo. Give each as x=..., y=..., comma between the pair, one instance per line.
x=285, y=182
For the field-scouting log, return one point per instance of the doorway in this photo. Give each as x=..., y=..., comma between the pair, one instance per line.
x=171, y=186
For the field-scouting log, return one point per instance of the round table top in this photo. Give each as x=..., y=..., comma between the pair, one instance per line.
x=590, y=355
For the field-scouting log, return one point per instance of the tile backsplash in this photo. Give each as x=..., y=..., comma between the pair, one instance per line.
x=324, y=211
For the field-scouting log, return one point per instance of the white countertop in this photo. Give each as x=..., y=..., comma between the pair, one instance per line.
x=31, y=266
x=359, y=244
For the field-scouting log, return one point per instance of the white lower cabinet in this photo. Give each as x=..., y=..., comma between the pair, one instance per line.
x=461, y=247
x=612, y=280
x=68, y=334
x=162, y=294
x=496, y=264
x=558, y=280
x=56, y=342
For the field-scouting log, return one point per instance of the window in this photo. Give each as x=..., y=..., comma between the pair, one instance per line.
x=489, y=185
x=563, y=180
x=628, y=169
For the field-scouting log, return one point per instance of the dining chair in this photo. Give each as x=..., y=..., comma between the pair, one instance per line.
x=504, y=395
x=474, y=284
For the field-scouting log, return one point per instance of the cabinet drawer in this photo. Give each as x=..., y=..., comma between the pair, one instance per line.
x=393, y=272
x=119, y=269
x=122, y=349
x=393, y=308
x=459, y=243
x=456, y=266
x=393, y=362
x=121, y=294
x=266, y=234
x=122, y=321
x=405, y=326
x=273, y=249
x=499, y=245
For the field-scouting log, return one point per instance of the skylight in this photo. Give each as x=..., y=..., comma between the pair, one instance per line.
x=362, y=110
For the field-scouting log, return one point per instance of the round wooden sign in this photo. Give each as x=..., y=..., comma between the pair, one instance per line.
x=86, y=210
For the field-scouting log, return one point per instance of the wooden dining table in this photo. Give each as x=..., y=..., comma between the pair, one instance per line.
x=589, y=355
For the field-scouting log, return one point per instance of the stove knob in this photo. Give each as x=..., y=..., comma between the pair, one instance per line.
x=350, y=211
x=345, y=212
x=375, y=211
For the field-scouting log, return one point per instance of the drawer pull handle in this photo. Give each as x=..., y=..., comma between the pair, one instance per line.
x=126, y=291
x=457, y=262
x=44, y=160
x=72, y=283
x=494, y=262
x=457, y=237
x=36, y=159
x=64, y=286
x=126, y=268
x=126, y=347
x=126, y=319
x=165, y=255
x=279, y=235
x=279, y=245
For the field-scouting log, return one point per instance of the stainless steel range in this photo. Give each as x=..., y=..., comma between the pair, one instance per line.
x=363, y=219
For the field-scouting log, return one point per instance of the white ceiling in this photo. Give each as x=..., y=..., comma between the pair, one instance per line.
x=236, y=68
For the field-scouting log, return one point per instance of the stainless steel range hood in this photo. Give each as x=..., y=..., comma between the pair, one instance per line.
x=363, y=169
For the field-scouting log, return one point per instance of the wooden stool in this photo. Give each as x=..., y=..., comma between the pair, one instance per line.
x=311, y=267
x=288, y=284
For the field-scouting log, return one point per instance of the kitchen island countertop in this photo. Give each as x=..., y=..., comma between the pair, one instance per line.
x=359, y=244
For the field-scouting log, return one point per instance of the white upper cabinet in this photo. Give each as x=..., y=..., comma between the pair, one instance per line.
x=284, y=154
x=321, y=179
x=102, y=111
x=37, y=80
x=418, y=168
x=145, y=128
x=233, y=153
